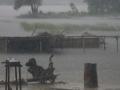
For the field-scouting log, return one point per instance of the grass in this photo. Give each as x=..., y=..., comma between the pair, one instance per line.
x=61, y=28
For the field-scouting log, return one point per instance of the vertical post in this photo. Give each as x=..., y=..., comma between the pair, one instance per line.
x=83, y=43
x=40, y=47
x=71, y=39
x=90, y=76
x=20, y=86
x=6, y=42
x=6, y=77
x=117, y=44
x=16, y=78
x=104, y=43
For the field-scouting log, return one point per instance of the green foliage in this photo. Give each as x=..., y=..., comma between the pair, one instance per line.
x=66, y=28
x=27, y=26
x=74, y=8
x=103, y=6
x=48, y=27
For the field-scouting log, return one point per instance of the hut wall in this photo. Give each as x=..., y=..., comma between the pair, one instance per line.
x=79, y=42
x=72, y=43
x=23, y=45
x=92, y=42
x=36, y=45
x=3, y=45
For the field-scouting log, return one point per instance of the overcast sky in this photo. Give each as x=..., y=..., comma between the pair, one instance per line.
x=51, y=2
x=61, y=1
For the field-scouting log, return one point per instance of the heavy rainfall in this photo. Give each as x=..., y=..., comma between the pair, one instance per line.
x=59, y=44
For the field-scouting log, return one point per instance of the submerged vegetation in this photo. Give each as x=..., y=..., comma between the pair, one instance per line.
x=66, y=28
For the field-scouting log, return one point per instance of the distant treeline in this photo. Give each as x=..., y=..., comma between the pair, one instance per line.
x=103, y=6
x=99, y=7
x=51, y=2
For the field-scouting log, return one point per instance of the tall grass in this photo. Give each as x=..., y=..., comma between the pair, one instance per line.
x=61, y=28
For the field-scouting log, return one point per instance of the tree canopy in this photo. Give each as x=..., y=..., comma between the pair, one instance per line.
x=74, y=8
x=34, y=4
x=103, y=6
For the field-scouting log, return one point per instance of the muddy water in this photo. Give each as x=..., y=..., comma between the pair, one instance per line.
x=69, y=63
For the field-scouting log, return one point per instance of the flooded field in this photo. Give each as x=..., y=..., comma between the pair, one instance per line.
x=69, y=63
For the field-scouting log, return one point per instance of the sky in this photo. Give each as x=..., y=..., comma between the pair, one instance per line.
x=51, y=2
x=61, y=1
x=48, y=5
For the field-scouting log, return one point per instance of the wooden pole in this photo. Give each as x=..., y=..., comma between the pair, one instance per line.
x=104, y=44
x=40, y=46
x=6, y=77
x=90, y=76
x=20, y=84
x=83, y=44
x=6, y=46
x=16, y=78
x=117, y=44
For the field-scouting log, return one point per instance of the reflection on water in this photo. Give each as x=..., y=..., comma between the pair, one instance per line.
x=32, y=87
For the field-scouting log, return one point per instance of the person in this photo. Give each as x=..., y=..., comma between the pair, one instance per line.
x=50, y=68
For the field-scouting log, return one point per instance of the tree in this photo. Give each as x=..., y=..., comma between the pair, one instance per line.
x=74, y=8
x=34, y=4
x=103, y=6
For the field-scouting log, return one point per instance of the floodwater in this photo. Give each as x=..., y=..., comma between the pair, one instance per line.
x=69, y=63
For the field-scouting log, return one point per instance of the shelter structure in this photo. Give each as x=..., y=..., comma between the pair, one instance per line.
x=12, y=63
x=46, y=42
x=86, y=40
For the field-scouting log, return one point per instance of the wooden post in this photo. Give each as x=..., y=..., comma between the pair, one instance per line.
x=72, y=43
x=20, y=83
x=16, y=78
x=40, y=46
x=6, y=77
x=83, y=43
x=104, y=44
x=6, y=45
x=90, y=76
x=117, y=49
